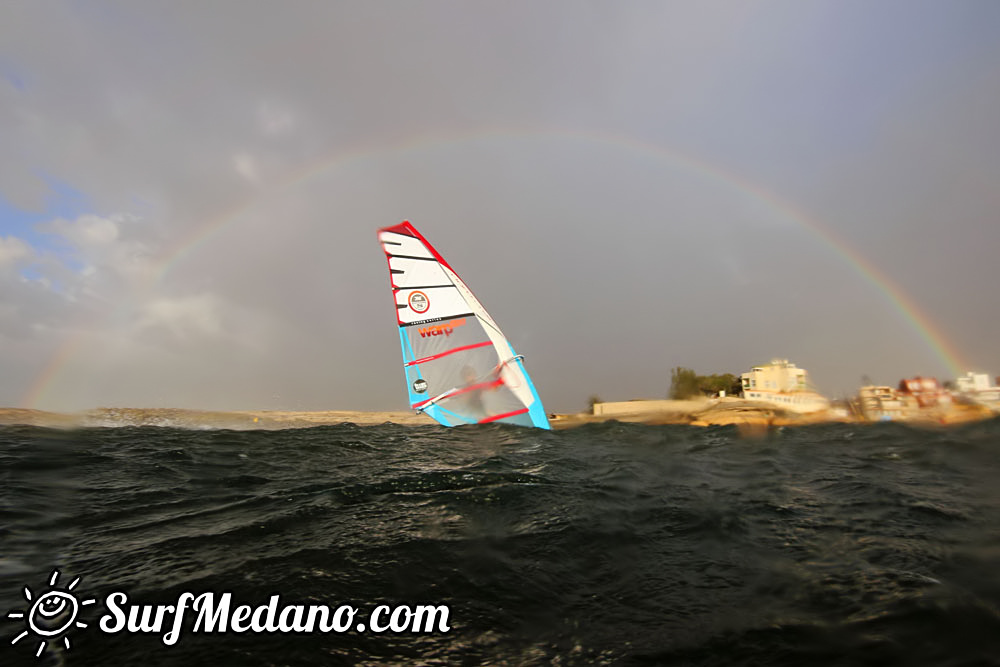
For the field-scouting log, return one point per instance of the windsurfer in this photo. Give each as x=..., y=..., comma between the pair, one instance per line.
x=475, y=388
x=457, y=359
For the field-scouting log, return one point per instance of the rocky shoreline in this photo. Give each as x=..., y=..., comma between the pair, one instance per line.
x=204, y=419
x=744, y=414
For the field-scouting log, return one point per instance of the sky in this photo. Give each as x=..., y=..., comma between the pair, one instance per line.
x=189, y=193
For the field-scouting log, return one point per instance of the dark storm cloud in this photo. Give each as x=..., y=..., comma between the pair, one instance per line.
x=593, y=171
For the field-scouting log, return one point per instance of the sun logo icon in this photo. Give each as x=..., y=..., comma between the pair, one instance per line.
x=53, y=613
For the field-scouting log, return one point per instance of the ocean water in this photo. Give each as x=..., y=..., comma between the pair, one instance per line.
x=603, y=544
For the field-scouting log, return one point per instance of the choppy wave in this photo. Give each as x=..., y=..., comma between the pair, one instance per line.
x=608, y=543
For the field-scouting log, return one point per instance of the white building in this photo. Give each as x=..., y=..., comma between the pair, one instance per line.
x=783, y=385
x=976, y=386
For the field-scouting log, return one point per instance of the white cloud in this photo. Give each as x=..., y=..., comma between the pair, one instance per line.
x=12, y=250
x=86, y=232
x=246, y=167
x=109, y=248
x=274, y=119
x=185, y=317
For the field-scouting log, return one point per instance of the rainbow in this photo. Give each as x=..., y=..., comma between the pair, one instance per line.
x=62, y=356
x=202, y=235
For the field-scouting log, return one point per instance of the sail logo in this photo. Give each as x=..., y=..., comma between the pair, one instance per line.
x=419, y=302
x=444, y=329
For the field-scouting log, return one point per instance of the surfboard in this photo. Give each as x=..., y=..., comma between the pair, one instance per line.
x=459, y=367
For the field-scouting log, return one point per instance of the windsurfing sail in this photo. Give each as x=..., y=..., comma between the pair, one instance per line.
x=460, y=368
